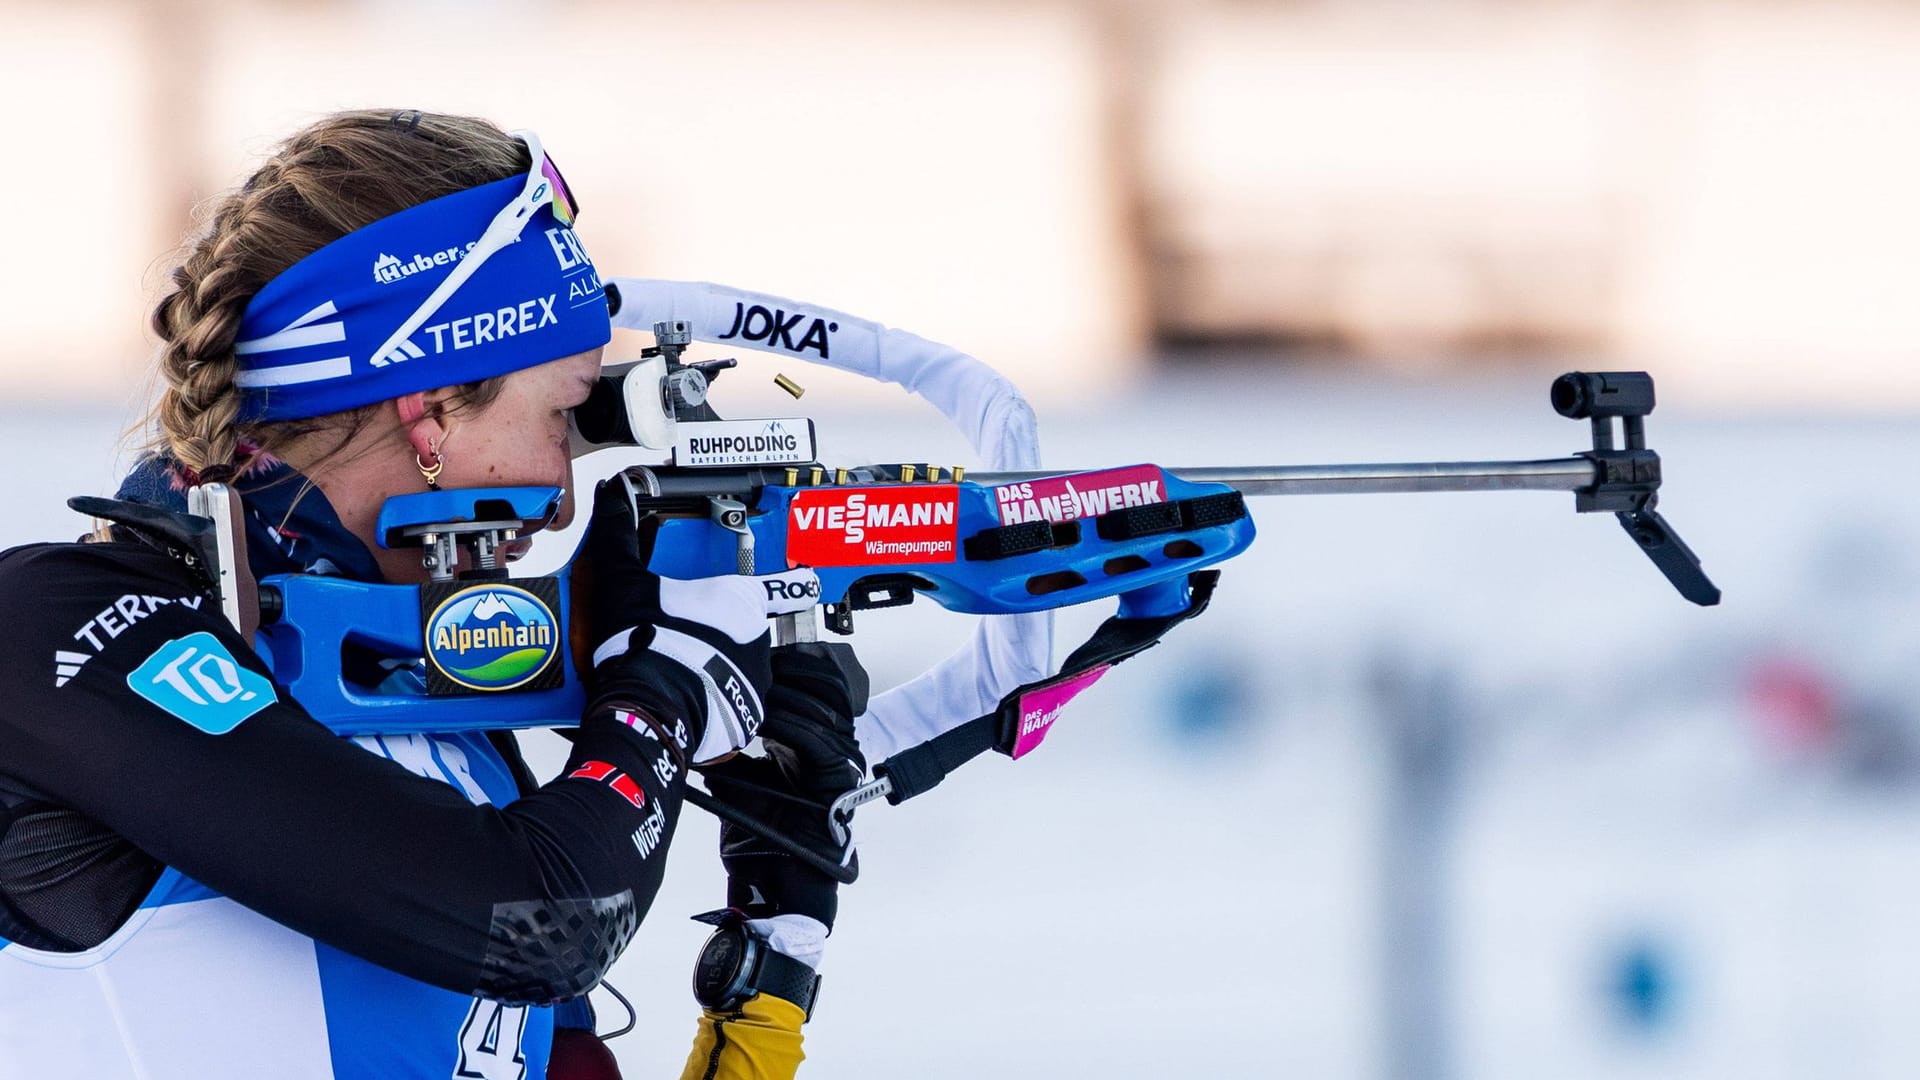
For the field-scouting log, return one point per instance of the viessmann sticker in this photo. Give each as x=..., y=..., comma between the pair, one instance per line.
x=873, y=526
x=1090, y=494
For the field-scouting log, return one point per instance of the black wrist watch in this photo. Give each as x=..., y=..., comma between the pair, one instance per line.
x=736, y=964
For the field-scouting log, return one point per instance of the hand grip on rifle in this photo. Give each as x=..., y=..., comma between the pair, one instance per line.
x=812, y=759
x=689, y=655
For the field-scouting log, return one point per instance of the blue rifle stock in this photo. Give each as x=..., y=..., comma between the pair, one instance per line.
x=1141, y=552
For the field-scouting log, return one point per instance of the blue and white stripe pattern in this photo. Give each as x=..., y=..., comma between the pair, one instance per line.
x=301, y=334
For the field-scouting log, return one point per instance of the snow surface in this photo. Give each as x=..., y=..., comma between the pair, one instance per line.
x=1195, y=877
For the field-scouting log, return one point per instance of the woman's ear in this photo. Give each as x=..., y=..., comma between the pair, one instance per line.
x=422, y=420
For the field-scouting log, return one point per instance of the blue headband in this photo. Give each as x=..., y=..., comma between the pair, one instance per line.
x=307, y=339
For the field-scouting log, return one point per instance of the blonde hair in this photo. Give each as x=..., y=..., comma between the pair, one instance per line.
x=346, y=171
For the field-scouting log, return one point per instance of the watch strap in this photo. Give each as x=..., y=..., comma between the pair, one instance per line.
x=786, y=978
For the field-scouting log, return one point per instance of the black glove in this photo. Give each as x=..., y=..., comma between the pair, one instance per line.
x=689, y=656
x=818, y=688
x=812, y=759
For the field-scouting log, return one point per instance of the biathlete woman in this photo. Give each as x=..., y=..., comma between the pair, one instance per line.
x=199, y=880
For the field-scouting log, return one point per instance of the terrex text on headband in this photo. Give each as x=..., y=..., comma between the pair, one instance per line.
x=471, y=285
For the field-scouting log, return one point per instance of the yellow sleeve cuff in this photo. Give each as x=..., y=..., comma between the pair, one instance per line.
x=758, y=1041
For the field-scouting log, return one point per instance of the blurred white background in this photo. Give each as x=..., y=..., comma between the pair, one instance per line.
x=1444, y=786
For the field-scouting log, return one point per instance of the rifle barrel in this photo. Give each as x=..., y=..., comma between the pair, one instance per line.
x=1551, y=474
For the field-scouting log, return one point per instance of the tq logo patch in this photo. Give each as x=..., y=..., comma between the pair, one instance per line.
x=197, y=680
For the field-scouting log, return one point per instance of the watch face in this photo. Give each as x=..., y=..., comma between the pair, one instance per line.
x=716, y=975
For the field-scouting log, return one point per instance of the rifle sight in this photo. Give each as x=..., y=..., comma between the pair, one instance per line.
x=1580, y=395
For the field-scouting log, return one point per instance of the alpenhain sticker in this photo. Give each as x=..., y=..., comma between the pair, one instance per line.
x=876, y=526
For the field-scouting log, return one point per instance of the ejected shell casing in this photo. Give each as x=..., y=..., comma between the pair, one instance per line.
x=789, y=385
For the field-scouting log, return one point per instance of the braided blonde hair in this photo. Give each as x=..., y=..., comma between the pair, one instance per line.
x=337, y=175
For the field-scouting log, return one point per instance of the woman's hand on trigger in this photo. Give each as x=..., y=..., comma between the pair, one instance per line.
x=690, y=656
x=812, y=759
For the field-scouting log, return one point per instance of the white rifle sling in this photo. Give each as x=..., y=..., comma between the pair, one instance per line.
x=1005, y=651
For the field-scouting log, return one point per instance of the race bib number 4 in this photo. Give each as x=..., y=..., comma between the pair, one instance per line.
x=873, y=526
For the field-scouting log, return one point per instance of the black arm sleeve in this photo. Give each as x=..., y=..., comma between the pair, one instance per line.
x=526, y=903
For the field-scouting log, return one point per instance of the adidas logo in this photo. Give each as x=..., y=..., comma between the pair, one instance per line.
x=406, y=350
x=66, y=665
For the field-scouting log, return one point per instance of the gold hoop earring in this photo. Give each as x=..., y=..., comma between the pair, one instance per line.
x=431, y=473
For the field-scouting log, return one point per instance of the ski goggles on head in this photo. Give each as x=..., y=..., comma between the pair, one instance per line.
x=543, y=188
x=453, y=290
